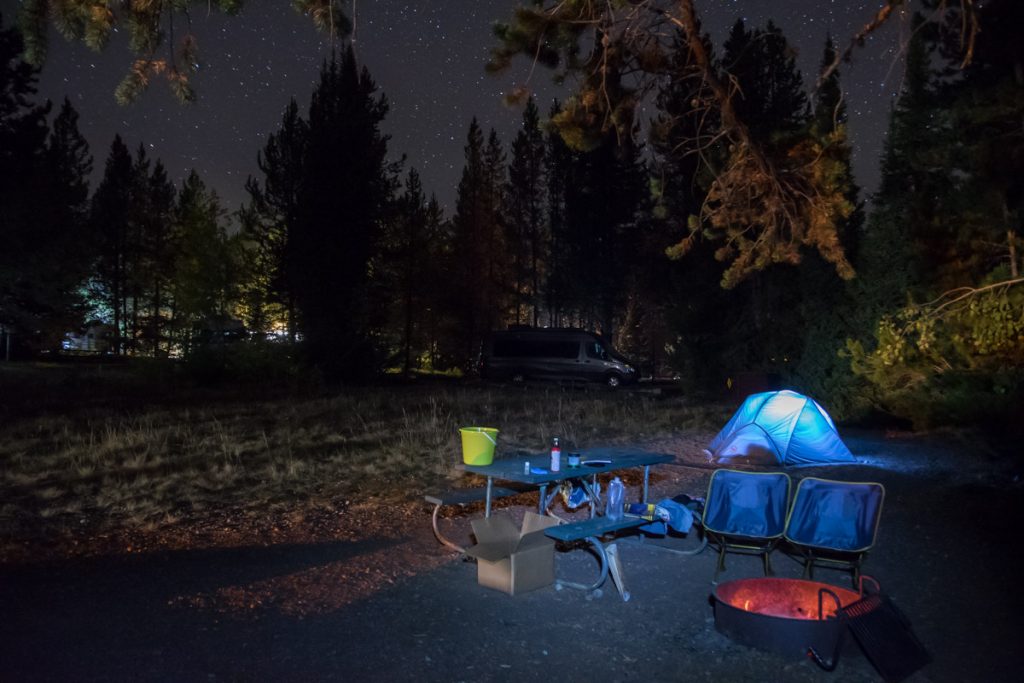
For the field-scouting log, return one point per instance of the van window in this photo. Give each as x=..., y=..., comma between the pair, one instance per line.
x=595, y=350
x=535, y=348
x=568, y=349
x=508, y=348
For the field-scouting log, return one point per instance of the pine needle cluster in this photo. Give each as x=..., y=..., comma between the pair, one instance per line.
x=159, y=34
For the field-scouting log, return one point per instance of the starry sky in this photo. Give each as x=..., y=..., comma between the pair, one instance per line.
x=428, y=58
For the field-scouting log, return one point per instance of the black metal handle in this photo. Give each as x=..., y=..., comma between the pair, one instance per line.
x=876, y=587
x=821, y=607
x=829, y=665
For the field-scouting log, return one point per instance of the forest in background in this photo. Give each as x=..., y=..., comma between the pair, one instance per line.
x=913, y=307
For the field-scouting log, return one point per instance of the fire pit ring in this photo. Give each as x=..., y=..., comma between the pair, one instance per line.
x=785, y=616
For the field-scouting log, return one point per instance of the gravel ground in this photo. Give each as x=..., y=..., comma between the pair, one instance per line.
x=362, y=591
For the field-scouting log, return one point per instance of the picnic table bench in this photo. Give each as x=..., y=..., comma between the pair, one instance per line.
x=460, y=498
x=591, y=530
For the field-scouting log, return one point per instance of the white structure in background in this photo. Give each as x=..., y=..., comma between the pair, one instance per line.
x=95, y=338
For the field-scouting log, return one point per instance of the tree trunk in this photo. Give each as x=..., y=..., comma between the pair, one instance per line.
x=1011, y=242
x=290, y=312
x=407, y=342
x=1011, y=239
x=155, y=323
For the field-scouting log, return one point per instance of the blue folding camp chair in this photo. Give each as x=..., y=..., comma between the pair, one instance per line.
x=746, y=513
x=834, y=523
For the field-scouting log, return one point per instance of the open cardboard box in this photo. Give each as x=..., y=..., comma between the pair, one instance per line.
x=513, y=560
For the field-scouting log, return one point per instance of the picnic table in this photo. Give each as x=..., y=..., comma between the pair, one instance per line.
x=593, y=462
x=533, y=470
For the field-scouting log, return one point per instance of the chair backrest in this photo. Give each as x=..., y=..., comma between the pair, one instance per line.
x=835, y=515
x=750, y=504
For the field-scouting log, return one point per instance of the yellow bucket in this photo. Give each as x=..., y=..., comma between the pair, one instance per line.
x=478, y=445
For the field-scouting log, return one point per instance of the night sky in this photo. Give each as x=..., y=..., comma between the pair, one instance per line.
x=428, y=58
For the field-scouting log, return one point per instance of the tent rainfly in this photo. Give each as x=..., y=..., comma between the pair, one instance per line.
x=780, y=427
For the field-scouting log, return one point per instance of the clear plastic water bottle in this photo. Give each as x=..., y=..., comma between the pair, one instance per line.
x=613, y=503
x=556, y=456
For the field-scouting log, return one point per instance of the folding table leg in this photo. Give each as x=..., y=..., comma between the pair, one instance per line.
x=490, y=488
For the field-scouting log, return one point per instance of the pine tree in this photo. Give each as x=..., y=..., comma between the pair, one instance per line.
x=131, y=218
x=682, y=134
x=740, y=57
x=406, y=261
x=593, y=197
x=525, y=225
x=693, y=311
x=61, y=221
x=273, y=214
x=204, y=284
x=439, y=330
x=157, y=251
x=603, y=192
x=769, y=92
x=988, y=149
x=23, y=131
x=829, y=103
x=344, y=195
x=479, y=286
x=891, y=263
x=945, y=343
x=109, y=218
x=137, y=276
x=767, y=200
x=42, y=191
x=769, y=97
x=495, y=199
x=69, y=162
x=827, y=306
x=558, y=283
x=829, y=127
x=317, y=221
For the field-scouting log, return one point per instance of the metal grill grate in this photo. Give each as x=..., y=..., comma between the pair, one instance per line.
x=886, y=637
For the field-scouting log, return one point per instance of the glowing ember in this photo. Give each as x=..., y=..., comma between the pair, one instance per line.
x=787, y=616
x=787, y=598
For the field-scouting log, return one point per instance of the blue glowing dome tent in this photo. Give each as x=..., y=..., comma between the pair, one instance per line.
x=780, y=427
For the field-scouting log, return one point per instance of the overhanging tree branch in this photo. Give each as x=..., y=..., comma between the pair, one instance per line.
x=92, y=21
x=767, y=200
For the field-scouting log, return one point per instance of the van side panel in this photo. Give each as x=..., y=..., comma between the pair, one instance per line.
x=551, y=354
x=532, y=355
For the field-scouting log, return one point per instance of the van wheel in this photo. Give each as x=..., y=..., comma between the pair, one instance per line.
x=613, y=381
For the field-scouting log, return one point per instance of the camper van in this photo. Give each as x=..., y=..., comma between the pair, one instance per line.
x=553, y=353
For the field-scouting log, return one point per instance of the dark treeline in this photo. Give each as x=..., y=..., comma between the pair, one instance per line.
x=914, y=307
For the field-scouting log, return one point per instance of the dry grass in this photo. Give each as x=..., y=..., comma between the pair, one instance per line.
x=154, y=464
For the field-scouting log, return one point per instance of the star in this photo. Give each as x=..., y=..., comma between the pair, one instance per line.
x=429, y=62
